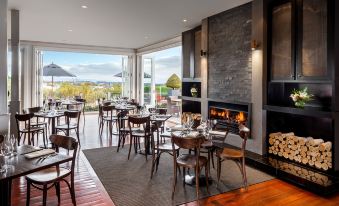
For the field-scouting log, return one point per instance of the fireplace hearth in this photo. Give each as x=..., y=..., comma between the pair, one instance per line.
x=229, y=115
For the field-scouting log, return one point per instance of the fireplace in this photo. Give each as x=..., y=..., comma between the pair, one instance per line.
x=230, y=115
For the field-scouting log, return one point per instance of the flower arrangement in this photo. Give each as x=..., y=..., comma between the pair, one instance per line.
x=301, y=97
x=194, y=91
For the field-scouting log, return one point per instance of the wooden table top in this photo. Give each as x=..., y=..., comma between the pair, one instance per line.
x=19, y=165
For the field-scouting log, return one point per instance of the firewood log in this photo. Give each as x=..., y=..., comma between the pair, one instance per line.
x=316, y=142
x=327, y=146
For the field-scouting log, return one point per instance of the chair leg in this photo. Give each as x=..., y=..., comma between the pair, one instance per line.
x=197, y=175
x=130, y=146
x=43, y=137
x=73, y=191
x=244, y=173
x=218, y=168
x=154, y=159
x=207, y=175
x=78, y=136
x=28, y=195
x=119, y=141
x=57, y=189
x=44, y=195
x=212, y=158
x=183, y=176
x=174, y=180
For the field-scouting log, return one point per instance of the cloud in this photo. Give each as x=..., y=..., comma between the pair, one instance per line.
x=164, y=68
x=95, y=72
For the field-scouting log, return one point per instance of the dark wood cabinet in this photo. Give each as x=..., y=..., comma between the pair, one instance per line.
x=191, y=47
x=299, y=40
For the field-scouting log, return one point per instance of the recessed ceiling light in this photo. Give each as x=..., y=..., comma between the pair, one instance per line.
x=70, y=30
x=84, y=7
x=184, y=20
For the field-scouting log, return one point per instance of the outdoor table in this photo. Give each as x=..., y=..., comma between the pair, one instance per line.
x=19, y=165
x=69, y=103
x=51, y=115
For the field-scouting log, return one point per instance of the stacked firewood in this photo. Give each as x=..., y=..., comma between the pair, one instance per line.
x=301, y=172
x=308, y=151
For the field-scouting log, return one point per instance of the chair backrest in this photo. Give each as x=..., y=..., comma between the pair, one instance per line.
x=65, y=142
x=33, y=110
x=145, y=121
x=106, y=103
x=188, y=142
x=24, y=117
x=72, y=114
x=162, y=111
x=2, y=138
x=244, y=133
x=122, y=114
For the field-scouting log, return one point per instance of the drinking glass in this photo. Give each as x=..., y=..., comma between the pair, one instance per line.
x=14, y=145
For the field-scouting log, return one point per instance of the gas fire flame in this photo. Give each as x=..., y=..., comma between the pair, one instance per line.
x=240, y=117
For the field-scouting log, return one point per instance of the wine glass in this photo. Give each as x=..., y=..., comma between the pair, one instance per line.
x=13, y=142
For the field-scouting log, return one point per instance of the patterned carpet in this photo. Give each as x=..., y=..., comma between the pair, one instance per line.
x=128, y=181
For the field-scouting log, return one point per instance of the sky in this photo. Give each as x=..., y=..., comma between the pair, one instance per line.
x=101, y=67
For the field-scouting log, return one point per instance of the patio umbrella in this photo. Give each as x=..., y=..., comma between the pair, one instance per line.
x=53, y=70
x=145, y=75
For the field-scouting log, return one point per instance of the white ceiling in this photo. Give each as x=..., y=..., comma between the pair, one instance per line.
x=112, y=23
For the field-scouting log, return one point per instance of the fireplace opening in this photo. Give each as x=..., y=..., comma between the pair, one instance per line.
x=229, y=115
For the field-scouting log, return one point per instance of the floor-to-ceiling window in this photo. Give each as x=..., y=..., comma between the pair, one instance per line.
x=94, y=76
x=162, y=77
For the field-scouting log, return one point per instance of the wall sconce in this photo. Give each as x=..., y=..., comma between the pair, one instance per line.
x=254, y=45
x=203, y=53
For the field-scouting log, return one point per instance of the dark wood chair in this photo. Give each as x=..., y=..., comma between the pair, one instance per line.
x=158, y=148
x=122, y=129
x=83, y=104
x=144, y=131
x=38, y=122
x=210, y=145
x=28, y=129
x=237, y=155
x=46, y=179
x=72, y=123
x=190, y=161
x=108, y=117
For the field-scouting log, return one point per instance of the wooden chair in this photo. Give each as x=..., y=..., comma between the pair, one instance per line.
x=109, y=117
x=210, y=145
x=237, y=155
x=28, y=129
x=72, y=123
x=190, y=161
x=38, y=122
x=122, y=129
x=83, y=104
x=144, y=131
x=158, y=147
x=46, y=179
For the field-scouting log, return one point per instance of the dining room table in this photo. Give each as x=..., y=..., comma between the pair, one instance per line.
x=52, y=115
x=20, y=165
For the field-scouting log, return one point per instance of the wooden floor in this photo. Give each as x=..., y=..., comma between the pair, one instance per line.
x=89, y=190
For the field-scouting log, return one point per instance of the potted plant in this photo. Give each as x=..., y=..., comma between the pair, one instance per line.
x=300, y=97
x=174, y=83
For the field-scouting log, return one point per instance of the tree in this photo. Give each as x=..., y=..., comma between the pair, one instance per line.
x=173, y=82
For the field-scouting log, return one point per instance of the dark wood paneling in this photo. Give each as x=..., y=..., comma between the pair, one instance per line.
x=187, y=53
x=314, y=39
x=281, y=42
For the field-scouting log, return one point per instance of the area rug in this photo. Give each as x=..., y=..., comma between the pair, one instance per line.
x=128, y=181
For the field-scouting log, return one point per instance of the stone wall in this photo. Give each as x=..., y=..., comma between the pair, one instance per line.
x=229, y=54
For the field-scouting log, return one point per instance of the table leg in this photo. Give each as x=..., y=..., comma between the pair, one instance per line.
x=5, y=192
x=53, y=126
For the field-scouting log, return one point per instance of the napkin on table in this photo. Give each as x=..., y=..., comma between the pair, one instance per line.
x=39, y=153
